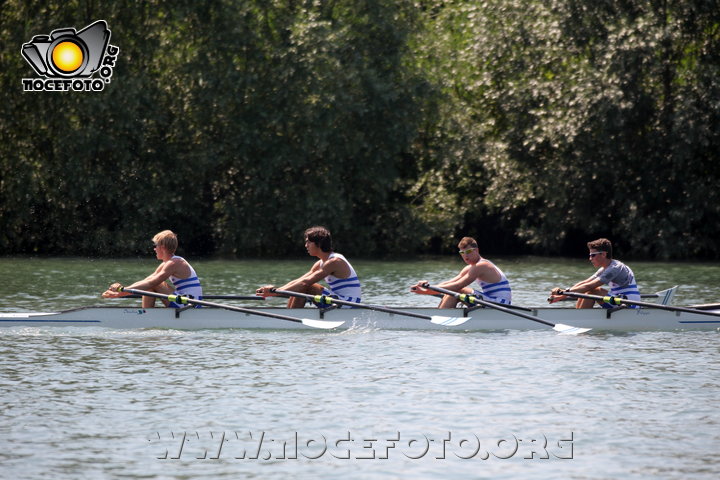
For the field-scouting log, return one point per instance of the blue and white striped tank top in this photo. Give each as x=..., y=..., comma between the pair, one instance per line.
x=499, y=291
x=347, y=289
x=621, y=280
x=188, y=286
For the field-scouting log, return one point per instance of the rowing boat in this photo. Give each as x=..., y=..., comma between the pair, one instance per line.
x=623, y=319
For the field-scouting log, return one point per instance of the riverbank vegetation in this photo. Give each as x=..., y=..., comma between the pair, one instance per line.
x=533, y=125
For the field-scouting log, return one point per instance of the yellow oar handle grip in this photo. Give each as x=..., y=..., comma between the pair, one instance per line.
x=614, y=300
x=322, y=299
x=178, y=299
x=464, y=297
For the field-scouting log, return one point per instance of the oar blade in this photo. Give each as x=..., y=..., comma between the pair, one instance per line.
x=326, y=324
x=448, y=321
x=569, y=329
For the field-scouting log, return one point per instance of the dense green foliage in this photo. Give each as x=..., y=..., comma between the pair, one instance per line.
x=534, y=125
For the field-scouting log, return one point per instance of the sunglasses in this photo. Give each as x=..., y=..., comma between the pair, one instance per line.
x=592, y=254
x=465, y=252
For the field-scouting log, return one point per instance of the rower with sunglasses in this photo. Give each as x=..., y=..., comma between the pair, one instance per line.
x=174, y=275
x=492, y=283
x=618, y=276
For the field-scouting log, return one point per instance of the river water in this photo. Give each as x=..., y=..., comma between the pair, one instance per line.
x=94, y=403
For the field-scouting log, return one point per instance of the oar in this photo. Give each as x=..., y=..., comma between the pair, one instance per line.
x=437, y=319
x=620, y=301
x=187, y=300
x=215, y=297
x=665, y=295
x=471, y=299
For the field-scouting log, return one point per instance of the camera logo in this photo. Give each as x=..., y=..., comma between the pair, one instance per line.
x=67, y=59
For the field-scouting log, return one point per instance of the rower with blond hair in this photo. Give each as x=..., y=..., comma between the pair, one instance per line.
x=174, y=275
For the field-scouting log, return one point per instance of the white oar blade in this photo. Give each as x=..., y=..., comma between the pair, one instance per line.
x=448, y=321
x=326, y=324
x=569, y=329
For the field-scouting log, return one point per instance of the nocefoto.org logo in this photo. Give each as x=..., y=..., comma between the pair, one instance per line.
x=67, y=59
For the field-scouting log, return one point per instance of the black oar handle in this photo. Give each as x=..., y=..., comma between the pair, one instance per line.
x=186, y=300
x=216, y=297
x=472, y=300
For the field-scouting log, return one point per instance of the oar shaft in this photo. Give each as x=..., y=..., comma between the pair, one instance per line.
x=215, y=297
x=513, y=312
x=468, y=299
x=330, y=300
x=619, y=301
x=182, y=299
x=486, y=304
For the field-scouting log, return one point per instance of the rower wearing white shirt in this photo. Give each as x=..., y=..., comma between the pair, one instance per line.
x=494, y=285
x=334, y=268
x=347, y=288
x=184, y=280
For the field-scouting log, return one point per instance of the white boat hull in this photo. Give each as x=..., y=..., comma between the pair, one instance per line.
x=481, y=319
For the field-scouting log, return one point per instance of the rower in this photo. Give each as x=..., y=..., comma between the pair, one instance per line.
x=181, y=275
x=618, y=276
x=339, y=275
x=494, y=285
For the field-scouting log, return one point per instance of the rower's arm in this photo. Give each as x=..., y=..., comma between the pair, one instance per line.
x=314, y=275
x=586, y=285
x=462, y=280
x=161, y=274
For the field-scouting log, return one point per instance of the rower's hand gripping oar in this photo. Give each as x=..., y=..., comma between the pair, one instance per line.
x=612, y=300
x=324, y=299
x=187, y=300
x=473, y=300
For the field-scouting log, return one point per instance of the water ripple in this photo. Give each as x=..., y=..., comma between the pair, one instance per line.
x=95, y=403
